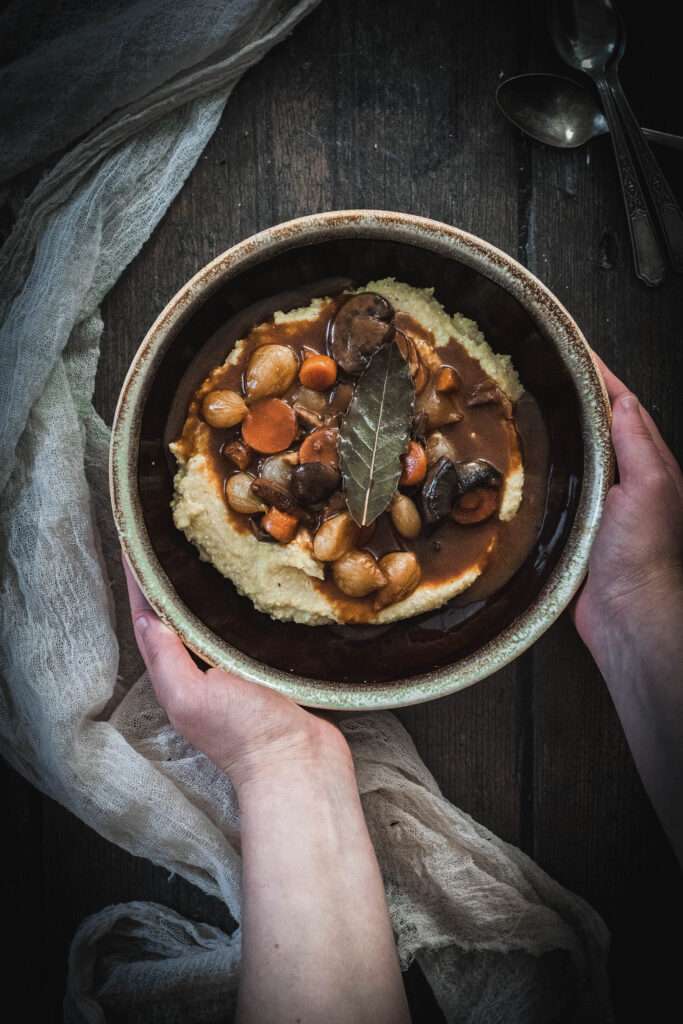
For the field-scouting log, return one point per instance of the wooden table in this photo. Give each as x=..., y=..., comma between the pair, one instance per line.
x=391, y=105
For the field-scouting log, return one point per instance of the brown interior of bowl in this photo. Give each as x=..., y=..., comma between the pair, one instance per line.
x=355, y=653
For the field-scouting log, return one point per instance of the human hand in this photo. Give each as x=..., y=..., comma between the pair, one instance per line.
x=248, y=730
x=310, y=875
x=630, y=610
x=636, y=563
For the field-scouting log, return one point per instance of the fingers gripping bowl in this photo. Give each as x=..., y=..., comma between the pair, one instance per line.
x=350, y=661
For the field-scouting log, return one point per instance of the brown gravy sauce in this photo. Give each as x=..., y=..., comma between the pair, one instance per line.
x=498, y=547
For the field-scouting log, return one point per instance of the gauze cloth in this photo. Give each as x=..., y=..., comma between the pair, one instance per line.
x=497, y=939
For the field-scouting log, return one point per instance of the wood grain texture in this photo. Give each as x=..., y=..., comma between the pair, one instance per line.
x=391, y=105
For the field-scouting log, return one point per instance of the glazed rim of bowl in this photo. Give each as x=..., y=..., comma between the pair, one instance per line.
x=548, y=314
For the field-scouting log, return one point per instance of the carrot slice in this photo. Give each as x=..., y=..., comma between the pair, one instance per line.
x=414, y=465
x=476, y=505
x=318, y=372
x=270, y=426
x=280, y=525
x=321, y=446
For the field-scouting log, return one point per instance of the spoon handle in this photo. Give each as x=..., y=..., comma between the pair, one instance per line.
x=663, y=138
x=667, y=210
x=647, y=255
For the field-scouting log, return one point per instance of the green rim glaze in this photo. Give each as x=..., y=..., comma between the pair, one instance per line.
x=547, y=313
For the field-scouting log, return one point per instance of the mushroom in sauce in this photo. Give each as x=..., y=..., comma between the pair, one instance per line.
x=468, y=489
x=312, y=482
x=277, y=497
x=359, y=329
x=478, y=492
x=488, y=392
x=439, y=491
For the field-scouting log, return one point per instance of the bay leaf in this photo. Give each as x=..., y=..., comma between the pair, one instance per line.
x=375, y=432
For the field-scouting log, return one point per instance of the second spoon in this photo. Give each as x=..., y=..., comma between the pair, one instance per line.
x=585, y=36
x=559, y=112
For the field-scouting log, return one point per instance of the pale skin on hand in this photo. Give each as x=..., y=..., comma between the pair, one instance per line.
x=317, y=939
x=630, y=610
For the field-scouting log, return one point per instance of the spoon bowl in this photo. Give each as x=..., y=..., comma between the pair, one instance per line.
x=551, y=109
x=559, y=112
x=585, y=34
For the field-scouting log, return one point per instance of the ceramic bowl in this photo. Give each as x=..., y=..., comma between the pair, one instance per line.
x=353, y=667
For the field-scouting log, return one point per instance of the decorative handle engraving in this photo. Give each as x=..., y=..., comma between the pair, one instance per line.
x=665, y=205
x=647, y=255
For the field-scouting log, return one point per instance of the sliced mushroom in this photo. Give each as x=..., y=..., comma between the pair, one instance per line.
x=238, y=453
x=440, y=408
x=488, y=392
x=313, y=482
x=311, y=419
x=477, y=473
x=358, y=330
x=259, y=532
x=478, y=492
x=420, y=427
x=439, y=490
x=408, y=350
x=279, y=498
x=340, y=398
x=321, y=446
x=447, y=482
x=335, y=504
x=420, y=377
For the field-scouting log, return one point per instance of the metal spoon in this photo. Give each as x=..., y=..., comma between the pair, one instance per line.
x=666, y=208
x=585, y=34
x=560, y=112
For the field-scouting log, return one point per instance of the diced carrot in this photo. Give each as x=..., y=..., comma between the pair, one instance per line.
x=321, y=446
x=318, y=372
x=414, y=465
x=420, y=377
x=280, y=525
x=448, y=380
x=270, y=426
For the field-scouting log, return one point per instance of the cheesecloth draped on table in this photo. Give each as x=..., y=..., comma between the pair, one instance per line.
x=497, y=939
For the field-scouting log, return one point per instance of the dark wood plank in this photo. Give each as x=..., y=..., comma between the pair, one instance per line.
x=21, y=893
x=595, y=830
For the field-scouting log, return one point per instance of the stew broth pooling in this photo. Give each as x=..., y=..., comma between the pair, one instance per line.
x=269, y=423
